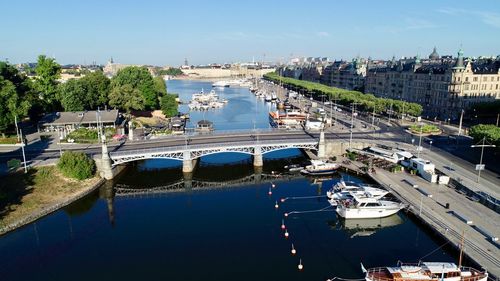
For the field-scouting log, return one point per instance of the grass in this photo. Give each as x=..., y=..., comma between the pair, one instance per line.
x=426, y=129
x=8, y=140
x=24, y=194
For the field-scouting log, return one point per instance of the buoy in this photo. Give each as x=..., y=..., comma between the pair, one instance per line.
x=270, y=192
x=286, y=214
x=273, y=185
x=276, y=205
x=300, y=266
x=282, y=200
x=283, y=224
x=286, y=233
x=293, y=250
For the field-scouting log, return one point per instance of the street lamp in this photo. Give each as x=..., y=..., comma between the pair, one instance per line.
x=481, y=166
x=430, y=145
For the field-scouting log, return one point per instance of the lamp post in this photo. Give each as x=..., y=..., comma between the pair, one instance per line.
x=22, y=149
x=481, y=166
x=430, y=145
x=420, y=141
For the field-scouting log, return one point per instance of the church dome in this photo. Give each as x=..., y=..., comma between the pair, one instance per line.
x=434, y=55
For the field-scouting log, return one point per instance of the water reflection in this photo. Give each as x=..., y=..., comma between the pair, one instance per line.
x=366, y=227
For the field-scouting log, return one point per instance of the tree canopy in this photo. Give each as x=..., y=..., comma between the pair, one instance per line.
x=140, y=79
x=490, y=132
x=72, y=95
x=97, y=86
x=169, y=105
x=15, y=90
x=366, y=102
x=47, y=71
x=126, y=98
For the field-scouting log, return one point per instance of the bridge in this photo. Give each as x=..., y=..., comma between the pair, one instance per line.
x=188, y=150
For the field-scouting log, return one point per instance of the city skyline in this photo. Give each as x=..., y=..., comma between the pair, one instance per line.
x=165, y=33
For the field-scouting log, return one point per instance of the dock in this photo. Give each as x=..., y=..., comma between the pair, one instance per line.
x=450, y=214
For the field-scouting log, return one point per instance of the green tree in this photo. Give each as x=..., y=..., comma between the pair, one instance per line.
x=126, y=97
x=72, y=95
x=15, y=90
x=169, y=105
x=76, y=165
x=160, y=86
x=47, y=71
x=97, y=87
x=490, y=132
x=140, y=79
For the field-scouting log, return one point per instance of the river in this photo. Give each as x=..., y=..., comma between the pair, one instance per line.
x=224, y=226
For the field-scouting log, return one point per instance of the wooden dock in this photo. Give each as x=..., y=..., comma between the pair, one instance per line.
x=450, y=214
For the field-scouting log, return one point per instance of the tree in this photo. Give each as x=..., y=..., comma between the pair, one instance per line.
x=160, y=86
x=72, y=95
x=47, y=71
x=76, y=165
x=490, y=132
x=14, y=96
x=97, y=87
x=140, y=79
x=169, y=105
x=126, y=97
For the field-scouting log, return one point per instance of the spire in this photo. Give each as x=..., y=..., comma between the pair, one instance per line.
x=111, y=60
x=460, y=59
x=417, y=59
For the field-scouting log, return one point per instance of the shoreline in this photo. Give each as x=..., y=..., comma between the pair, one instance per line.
x=44, y=211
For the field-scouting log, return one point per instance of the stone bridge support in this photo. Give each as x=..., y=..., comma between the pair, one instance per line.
x=106, y=169
x=322, y=145
x=257, y=157
x=188, y=163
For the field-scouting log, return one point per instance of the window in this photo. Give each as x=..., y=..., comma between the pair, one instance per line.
x=466, y=79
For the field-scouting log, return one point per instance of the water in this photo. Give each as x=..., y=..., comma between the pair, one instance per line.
x=219, y=233
x=243, y=111
x=209, y=233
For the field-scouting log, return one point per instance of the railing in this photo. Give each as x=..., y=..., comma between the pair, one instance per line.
x=188, y=147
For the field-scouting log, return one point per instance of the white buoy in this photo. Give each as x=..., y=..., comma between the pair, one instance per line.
x=300, y=266
x=293, y=250
x=286, y=214
x=283, y=224
x=273, y=185
x=286, y=233
x=282, y=200
x=270, y=192
x=276, y=205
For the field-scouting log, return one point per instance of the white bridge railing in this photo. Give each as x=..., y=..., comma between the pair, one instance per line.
x=309, y=142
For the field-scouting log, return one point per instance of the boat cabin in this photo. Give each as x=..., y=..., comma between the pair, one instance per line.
x=204, y=126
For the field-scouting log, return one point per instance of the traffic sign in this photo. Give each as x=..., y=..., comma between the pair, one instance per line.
x=480, y=167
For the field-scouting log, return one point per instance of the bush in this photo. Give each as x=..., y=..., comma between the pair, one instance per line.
x=76, y=165
x=425, y=129
x=490, y=132
x=351, y=155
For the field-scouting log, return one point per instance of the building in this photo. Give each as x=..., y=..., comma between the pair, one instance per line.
x=442, y=85
x=112, y=68
x=345, y=75
x=66, y=122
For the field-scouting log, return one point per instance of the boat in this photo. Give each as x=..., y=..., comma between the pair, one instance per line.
x=428, y=271
x=366, y=207
x=342, y=190
x=319, y=167
x=220, y=84
x=294, y=167
x=274, y=96
x=268, y=98
x=367, y=227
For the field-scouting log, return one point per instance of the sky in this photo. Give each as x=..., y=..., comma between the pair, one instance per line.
x=166, y=32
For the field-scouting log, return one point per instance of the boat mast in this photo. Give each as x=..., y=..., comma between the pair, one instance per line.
x=461, y=250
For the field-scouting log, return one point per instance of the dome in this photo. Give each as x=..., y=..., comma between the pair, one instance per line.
x=434, y=55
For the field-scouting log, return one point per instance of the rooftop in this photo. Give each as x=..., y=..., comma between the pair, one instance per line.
x=79, y=117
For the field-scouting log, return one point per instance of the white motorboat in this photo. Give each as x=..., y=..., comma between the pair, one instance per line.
x=428, y=271
x=274, y=96
x=294, y=168
x=318, y=167
x=220, y=84
x=365, y=207
x=342, y=190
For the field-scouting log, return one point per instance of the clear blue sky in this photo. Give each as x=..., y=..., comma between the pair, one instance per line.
x=166, y=32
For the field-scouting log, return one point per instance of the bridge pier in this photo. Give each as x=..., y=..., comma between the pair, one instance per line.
x=130, y=131
x=188, y=163
x=106, y=169
x=322, y=145
x=257, y=157
x=257, y=171
x=188, y=181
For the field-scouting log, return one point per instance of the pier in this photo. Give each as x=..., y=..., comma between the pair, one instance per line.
x=451, y=215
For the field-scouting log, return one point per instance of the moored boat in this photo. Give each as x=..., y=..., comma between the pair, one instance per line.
x=425, y=271
x=220, y=84
x=365, y=207
x=318, y=167
x=342, y=190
